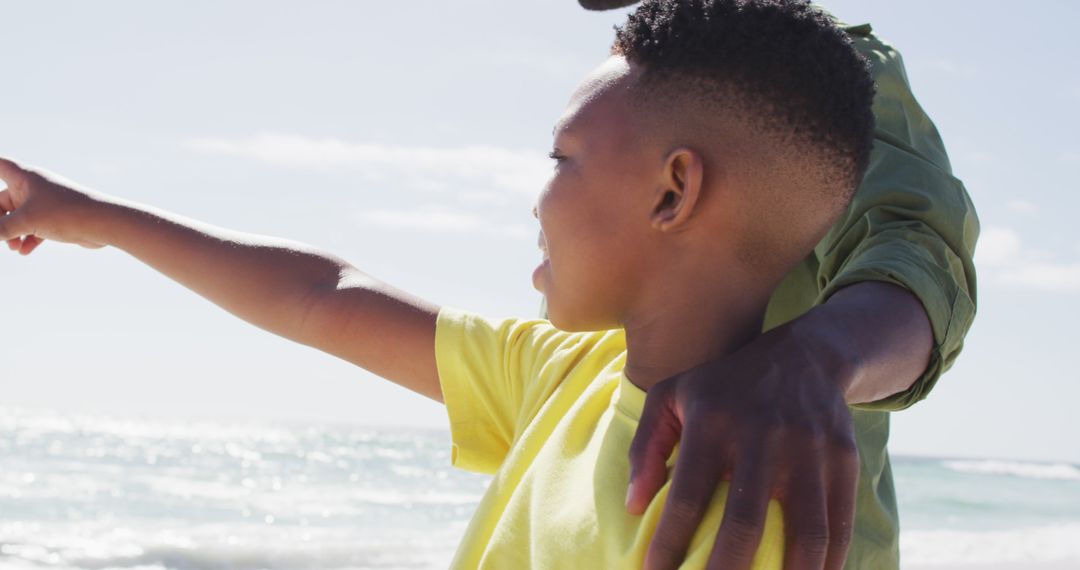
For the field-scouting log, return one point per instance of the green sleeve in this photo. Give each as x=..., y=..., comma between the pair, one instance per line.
x=911, y=223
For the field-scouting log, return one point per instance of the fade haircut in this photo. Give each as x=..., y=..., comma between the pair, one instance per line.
x=783, y=64
x=784, y=69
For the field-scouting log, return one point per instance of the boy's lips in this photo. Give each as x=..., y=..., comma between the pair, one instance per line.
x=541, y=268
x=542, y=244
x=537, y=276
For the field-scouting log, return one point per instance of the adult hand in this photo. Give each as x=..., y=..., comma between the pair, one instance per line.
x=39, y=205
x=770, y=417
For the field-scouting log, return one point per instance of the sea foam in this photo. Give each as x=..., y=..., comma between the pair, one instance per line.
x=1027, y=469
x=1047, y=544
x=98, y=492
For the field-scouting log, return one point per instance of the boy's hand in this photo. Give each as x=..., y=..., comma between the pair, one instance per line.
x=39, y=205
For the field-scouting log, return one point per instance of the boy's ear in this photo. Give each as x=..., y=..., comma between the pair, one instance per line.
x=677, y=195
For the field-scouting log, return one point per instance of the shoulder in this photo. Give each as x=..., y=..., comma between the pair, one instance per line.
x=532, y=345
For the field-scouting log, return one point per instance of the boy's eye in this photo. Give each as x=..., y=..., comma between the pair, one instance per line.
x=555, y=156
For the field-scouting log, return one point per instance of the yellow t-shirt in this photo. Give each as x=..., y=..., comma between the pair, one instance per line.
x=551, y=414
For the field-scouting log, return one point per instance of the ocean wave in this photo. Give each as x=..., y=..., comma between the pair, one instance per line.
x=30, y=424
x=103, y=546
x=253, y=557
x=954, y=547
x=1026, y=469
x=269, y=551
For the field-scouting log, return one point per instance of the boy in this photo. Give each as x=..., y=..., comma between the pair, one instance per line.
x=694, y=167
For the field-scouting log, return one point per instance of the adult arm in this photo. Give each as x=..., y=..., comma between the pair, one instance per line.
x=895, y=297
x=284, y=287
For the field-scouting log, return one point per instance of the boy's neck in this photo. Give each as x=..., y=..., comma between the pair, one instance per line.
x=673, y=336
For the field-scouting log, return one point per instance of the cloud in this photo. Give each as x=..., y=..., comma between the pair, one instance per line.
x=440, y=220
x=976, y=156
x=950, y=67
x=997, y=246
x=493, y=186
x=1021, y=206
x=1004, y=258
x=421, y=167
x=1045, y=276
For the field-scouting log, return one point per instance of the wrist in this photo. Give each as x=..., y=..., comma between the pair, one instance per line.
x=827, y=340
x=878, y=333
x=109, y=220
x=101, y=216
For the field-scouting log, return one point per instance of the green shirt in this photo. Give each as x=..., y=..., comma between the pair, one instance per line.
x=911, y=223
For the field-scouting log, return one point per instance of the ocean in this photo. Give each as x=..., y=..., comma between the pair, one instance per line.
x=99, y=492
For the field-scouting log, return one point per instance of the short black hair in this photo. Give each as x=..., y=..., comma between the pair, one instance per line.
x=786, y=63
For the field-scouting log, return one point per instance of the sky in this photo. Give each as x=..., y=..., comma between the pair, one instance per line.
x=411, y=139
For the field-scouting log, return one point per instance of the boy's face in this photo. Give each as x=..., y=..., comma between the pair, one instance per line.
x=594, y=210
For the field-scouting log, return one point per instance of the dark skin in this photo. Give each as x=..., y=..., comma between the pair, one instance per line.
x=868, y=341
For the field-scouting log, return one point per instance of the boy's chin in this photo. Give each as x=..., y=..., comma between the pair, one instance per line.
x=575, y=321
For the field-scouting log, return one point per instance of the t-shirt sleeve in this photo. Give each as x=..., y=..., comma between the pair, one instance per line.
x=495, y=376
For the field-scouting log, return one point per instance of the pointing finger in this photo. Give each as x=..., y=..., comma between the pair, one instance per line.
x=7, y=204
x=9, y=170
x=12, y=226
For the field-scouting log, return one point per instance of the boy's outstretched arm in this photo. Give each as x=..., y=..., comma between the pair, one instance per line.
x=285, y=287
